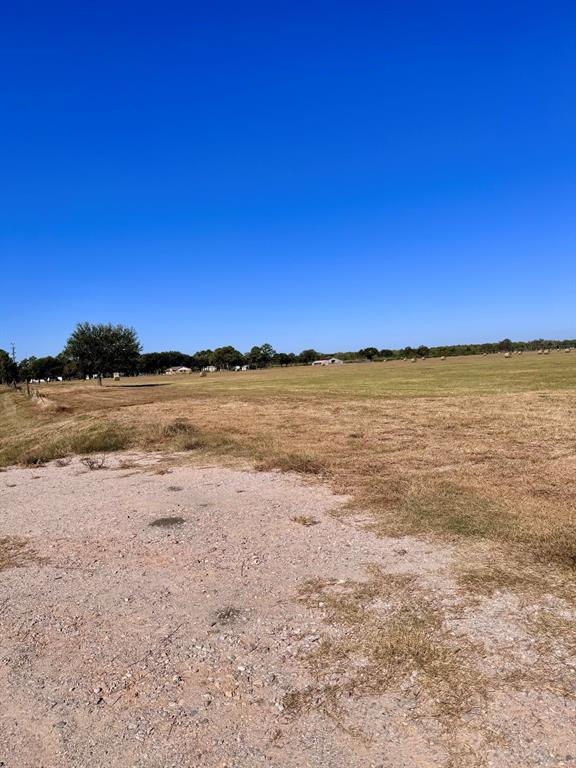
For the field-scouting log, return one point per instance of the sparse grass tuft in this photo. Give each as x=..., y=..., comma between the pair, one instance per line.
x=180, y=435
x=36, y=457
x=552, y=629
x=304, y=520
x=347, y=601
x=292, y=462
x=179, y=427
x=93, y=462
x=190, y=443
x=14, y=552
x=226, y=615
x=495, y=578
x=390, y=636
x=102, y=439
x=555, y=633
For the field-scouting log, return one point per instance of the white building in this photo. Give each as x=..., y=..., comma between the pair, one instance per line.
x=210, y=369
x=178, y=369
x=329, y=361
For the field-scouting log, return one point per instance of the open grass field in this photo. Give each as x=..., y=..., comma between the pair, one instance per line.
x=475, y=457
x=480, y=448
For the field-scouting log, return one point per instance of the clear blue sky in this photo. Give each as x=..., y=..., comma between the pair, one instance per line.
x=310, y=174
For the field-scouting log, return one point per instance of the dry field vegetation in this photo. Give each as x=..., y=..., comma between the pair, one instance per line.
x=477, y=449
x=478, y=452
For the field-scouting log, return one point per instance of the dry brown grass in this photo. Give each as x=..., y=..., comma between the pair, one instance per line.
x=42, y=441
x=553, y=632
x=479, y=460
x=228, y=614
x=497, y=578
x=556, y=633
x=15, y=552
x=467, y=457
x=292, y=462
x=390, y=638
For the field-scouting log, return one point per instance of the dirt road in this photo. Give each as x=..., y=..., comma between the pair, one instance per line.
x=160, y=619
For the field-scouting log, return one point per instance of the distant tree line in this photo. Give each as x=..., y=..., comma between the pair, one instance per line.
x=225, y=358
x=452, y=350
x=102, y=349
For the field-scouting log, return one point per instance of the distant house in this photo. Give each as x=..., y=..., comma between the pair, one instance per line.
x=210, y=368
x=178, y=369
x=329, y=361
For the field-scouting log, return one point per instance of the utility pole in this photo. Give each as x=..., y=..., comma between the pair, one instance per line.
x=13, y=345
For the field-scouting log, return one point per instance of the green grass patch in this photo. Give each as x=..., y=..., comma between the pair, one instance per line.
x=446, y=507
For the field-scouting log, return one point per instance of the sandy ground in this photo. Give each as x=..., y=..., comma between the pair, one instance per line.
x=128, y=645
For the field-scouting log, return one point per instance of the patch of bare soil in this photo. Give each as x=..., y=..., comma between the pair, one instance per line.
x=140, y=626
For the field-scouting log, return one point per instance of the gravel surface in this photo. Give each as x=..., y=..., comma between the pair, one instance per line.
x=154, y=621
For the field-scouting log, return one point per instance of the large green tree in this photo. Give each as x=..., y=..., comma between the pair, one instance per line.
x=42, y=367
x=308, y=356
x=267, y=352
x=227, y=357
x=103, y=348
x=8, y=368
x=158, y=362
x=368, y=352
x=203, y=358
x=505, y=345
x=262, y=356
x=284, y=358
